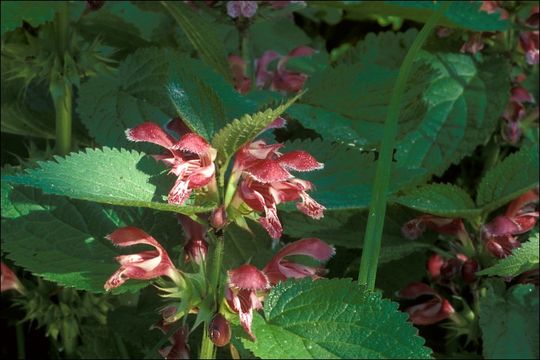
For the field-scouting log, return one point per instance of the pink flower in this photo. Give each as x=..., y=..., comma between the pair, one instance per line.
x=9, y=281
x=244, y=284
x=429, y=312
x=279, y=269
x=245, y=9
x=492, y=7
x=191, y=159
x=528, y=42
x=142, y=266
x=474, y=44
x=262, y=75
x=242, y=83
x=267, y=182
x=519, y=218
x=196, y=246
x=414, y=228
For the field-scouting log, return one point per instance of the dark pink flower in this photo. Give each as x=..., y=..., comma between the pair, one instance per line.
x=145, y=265
x=191, y=159
x=242, y=295
x=196, y=246
x=474, y=44
x=528, y=42
x=218, y=218
x=290, y=81
x=242, y=83
x=245, y=9
x=414, y=228
x=9, y=280
x=492, y=7
x=264, y=76
x=520, y=217
x=280, y=269
x=428, y=312
x=468, y=271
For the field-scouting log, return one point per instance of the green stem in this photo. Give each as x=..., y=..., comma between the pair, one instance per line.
x=21, y=354
x=207, y=346
x=61, y=90
x=214, y=273
x=63, y=106
x=372, y=239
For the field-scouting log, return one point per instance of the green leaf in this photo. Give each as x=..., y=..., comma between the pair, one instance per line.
x=196, y=103
x=508, y=179
x=522, y=259
x=280, y=35
x=202, y=35
x=345, y=182
x=465, y=15
x=244, y=247
x=63, y=240
x=509, y=321
x=464, y=105
x=332, y=319
x=108, y=105
x=33, y=12
x=108, y=176
x=440, y=199
x=241, y=131
x=345, y=228
x=138, y=92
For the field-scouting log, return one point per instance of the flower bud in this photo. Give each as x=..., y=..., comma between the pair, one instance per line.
x=219, y=330
x=468, y=271
x=434, y=264
x=450, y=268
x=218, y=219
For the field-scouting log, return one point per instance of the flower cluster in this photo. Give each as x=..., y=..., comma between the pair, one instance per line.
x=279, y=79
x=267, y=182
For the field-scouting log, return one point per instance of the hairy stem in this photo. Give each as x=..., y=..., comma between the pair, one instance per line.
x=372, y=239
x=214, y=272
x=61, y=90
x=63, y=106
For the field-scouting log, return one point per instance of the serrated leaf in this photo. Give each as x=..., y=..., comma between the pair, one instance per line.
x=197, y=104
x=203, y=37
x=63, y=240
x=33, y=12
x=509, y=317
x=108, y=105
x=440, y=199
x=465, y=15
x=346, y=180
x=332, y=319
x=244, y=247
x=241, y=131
x=508, y=179
x=464, y=105
x=522, y=259
x=109, y=176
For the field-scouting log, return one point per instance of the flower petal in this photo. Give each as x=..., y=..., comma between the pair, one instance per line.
x=150, y=132
x=193, y=143
x=248, y=277
x=300, y=161
x=267, y=171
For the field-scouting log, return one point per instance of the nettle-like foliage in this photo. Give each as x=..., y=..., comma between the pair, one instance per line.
x=188, y=166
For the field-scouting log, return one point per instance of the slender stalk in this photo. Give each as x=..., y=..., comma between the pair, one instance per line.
x=207, y=346
x=372, y=239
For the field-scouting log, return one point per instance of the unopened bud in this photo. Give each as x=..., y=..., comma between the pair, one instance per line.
x=468, y=271
x=196, y=250
x=219, y=330
x=218, y=219
x=450, y=268
x=434, y=264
